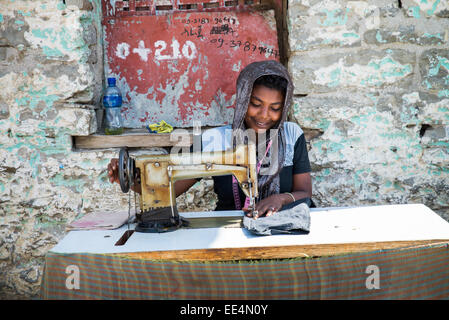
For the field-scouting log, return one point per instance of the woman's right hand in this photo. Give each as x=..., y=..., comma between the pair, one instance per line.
x=113, y=171
x=113, y=176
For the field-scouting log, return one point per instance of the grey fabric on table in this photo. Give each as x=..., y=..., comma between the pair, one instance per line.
x=291, y=221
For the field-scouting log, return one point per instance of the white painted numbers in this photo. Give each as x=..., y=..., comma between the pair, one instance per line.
x=373, y=280
x=161, y=52
x=72, y=282
x=142, y=51
x=122, y=50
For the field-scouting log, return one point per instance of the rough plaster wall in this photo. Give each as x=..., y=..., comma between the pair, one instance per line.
x=51, y=75
x=371, y=79
x=200, y=197
x=372, y=94
x=51, y=79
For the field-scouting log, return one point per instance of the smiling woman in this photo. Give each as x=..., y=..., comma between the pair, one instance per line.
x=266, y=103
x=263, y=97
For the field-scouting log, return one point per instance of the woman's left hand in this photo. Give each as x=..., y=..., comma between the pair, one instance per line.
x=267, y=206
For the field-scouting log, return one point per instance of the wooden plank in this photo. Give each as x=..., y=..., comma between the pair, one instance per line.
x=132, y=138
x=278, y=252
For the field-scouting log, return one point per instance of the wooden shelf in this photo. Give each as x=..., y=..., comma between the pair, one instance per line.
x=133, y=138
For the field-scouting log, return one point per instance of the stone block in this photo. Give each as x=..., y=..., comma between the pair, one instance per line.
x=199, y=197
x=426, y=9
x=12, y=31
x=54, y=122
x=90, y=34
x=317, y=111
x=80, y=4
x=370, y=135
x=358, y=130
x=4, y=110
x=54, y=82
x=60, y=36
x=77, y=121
x=400, y=29
x=407, y=34
x=418, y=108
x=437, y=156
x=434, y=135
x=434, y=69
x=315, y=73
x=321, y=24
x=40, y=112
x=10, y=58
x=2, y=53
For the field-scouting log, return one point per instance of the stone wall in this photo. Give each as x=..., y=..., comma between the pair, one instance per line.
x=371, y=94
x=51, y=75
x=51, y=69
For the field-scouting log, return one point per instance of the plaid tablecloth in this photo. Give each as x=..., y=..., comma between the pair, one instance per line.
x=410, y=273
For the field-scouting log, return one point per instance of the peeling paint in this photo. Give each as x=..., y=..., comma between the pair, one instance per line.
x=377, y=72
x=194, y=43
x=427, y=8
x=442, y=62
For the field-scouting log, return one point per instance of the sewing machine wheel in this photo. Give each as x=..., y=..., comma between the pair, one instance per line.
x=126, y=169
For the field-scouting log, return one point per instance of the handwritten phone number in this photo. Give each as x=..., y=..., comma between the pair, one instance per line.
x=207, y=20
x=247, y=46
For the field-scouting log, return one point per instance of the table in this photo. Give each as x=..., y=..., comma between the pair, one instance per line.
x=372, y=252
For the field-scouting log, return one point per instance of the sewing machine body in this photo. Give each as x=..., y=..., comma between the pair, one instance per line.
x=158, y=174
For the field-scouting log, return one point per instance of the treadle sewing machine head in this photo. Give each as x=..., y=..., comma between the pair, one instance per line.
x=158, y=173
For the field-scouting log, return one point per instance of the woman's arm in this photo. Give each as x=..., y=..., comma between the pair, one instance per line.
x=302, y=187
x=182, y=186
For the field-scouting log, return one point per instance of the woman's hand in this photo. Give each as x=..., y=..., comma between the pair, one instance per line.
x=267, y=206
x=113, y=171
x=113, y=176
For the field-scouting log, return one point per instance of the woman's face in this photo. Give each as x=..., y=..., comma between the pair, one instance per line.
x=264, y=108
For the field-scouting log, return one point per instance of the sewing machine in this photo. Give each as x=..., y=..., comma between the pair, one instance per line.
x=158, y=173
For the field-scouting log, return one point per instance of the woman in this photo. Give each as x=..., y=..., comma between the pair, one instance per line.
x=264, y=95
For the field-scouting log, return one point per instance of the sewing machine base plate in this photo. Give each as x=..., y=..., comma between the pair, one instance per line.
x=160, y=220
x=160, y=226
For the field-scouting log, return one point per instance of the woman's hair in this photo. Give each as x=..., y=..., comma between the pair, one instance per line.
x=273, y=82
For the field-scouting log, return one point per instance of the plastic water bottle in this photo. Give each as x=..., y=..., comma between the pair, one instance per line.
x=112, y=103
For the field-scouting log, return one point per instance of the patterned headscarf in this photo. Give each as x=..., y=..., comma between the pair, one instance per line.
x=267, y=184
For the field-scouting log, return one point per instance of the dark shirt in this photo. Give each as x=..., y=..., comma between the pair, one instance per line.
x=296, y=162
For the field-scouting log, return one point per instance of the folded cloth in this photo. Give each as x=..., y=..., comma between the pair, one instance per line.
x=101, y=220
x=161, y=127
x=291, y=221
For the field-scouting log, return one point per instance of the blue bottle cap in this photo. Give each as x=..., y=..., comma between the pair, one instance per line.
x=111, y=81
